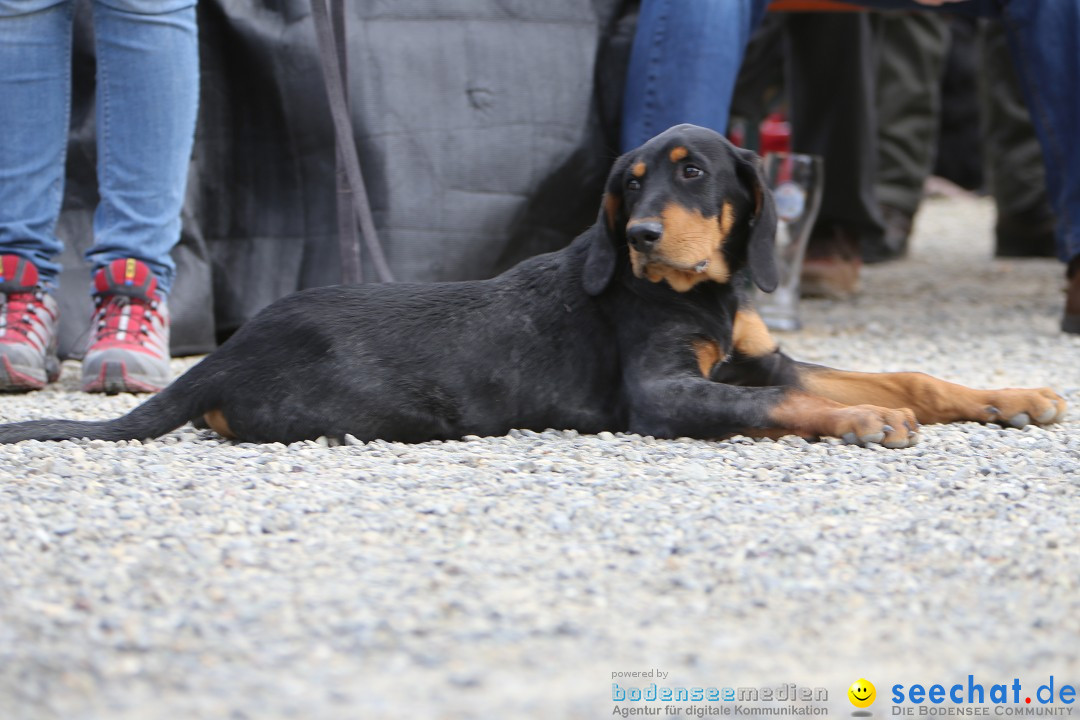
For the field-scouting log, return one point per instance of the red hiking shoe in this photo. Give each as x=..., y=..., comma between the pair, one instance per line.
x=129, y=349
x=27, y=328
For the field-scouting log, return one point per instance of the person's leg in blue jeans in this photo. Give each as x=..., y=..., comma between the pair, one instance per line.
x=683, y=64
x=35, y=84
x=147, y=99
x=147, y=95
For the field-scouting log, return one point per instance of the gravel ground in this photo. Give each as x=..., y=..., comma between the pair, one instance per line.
x=509, y=577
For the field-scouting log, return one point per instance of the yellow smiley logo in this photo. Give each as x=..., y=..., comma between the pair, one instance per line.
x=862, y=693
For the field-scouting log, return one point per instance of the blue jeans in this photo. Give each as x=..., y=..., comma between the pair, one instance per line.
x=147, y=98
x=687, y=54
x=683, y=64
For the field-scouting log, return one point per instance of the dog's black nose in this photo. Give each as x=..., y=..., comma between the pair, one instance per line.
x=643, y=236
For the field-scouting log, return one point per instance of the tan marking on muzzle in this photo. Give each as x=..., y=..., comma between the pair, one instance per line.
x=690, y=250
x=679, y=280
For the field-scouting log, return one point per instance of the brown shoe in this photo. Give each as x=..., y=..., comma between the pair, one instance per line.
x=832, y=264
x=1070, y=323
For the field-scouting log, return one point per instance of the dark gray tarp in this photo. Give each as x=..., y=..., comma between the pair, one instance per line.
x=485, y=128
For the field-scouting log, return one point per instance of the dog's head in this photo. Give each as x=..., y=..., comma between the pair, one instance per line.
x=688, y=207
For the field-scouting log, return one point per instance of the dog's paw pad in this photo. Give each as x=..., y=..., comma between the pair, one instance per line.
x=1020, y=420
x=1051, y=414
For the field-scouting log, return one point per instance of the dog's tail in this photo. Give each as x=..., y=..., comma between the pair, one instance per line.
x=185, y=399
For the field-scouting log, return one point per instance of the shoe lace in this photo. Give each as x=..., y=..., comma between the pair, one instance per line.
x=141, y=315
x=20, y=313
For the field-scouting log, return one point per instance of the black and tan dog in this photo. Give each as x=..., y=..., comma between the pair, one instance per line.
x=635, y=326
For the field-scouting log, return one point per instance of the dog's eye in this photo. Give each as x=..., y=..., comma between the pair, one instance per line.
x=633, y=184
x=692, y=171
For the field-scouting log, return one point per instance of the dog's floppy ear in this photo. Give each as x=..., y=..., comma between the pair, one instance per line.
x=606, y=235
x=761, y=235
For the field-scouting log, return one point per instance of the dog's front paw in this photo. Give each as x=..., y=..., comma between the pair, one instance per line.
x=866, y=424
x=1016, y=407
